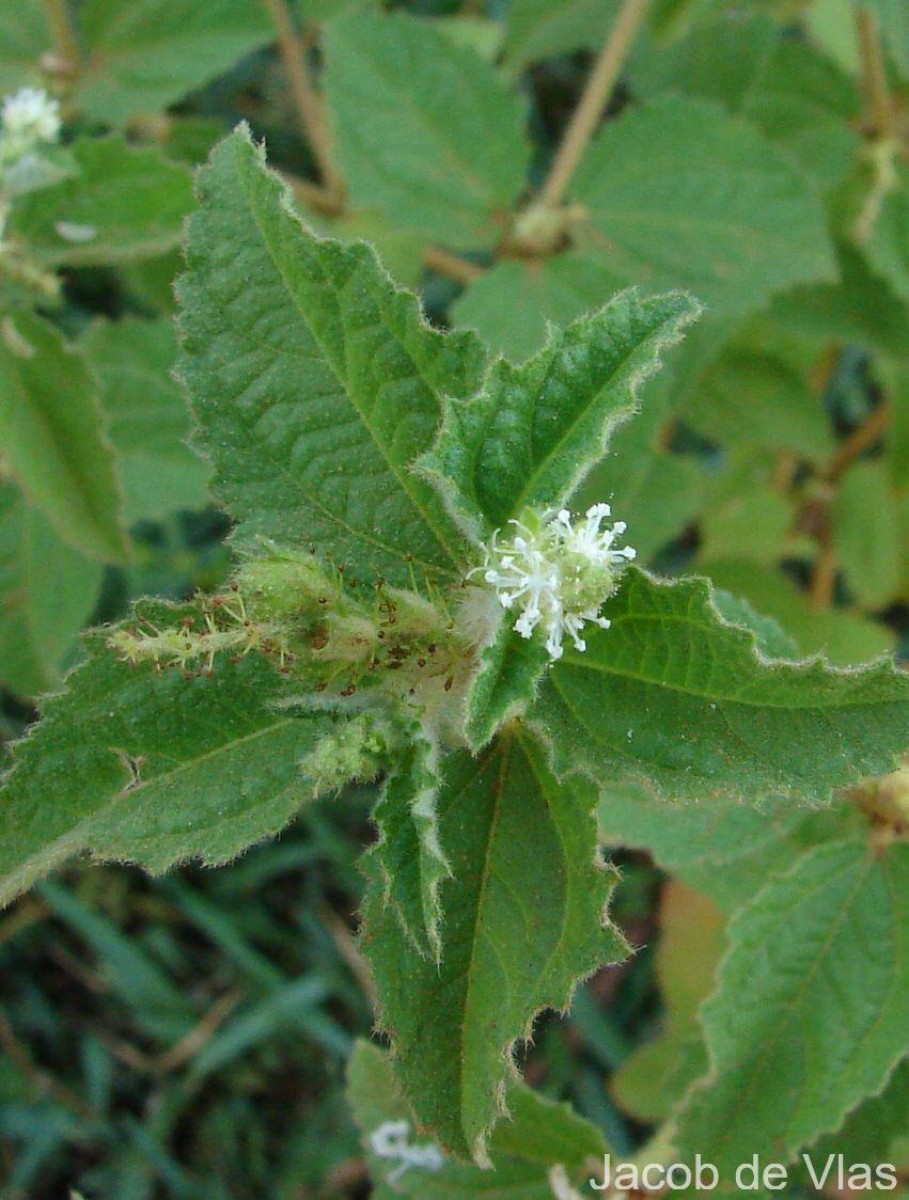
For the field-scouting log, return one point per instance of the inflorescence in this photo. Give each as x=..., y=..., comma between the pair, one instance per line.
x=557, y=573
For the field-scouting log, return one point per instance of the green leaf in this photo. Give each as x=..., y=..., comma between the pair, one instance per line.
x=798, y=98
x=515, y=938
x=392, y=86
x=125, y=203
x=809, y=1014
x=669, y=222
x=726, y=852
x=315, y=380
x=143, y=55
x=53, y=436
x=154, y=768
x=409, y=856
x=746, y=514
x=540, y=1136
x=513, y=304
x=23, y=39
x=148, y=419
x=755, y=399
x=504, y=685
x=868, y=535
x=873, y=1131
x=543, y=28
x=534, y=431
x=861, y=308
x=673, y=696
x=47, y=592
x=888, y=246
x=841, y=636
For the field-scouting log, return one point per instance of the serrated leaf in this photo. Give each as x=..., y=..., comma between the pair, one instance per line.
x=409, y=855
x=147, y=415
x=756, y=399
x=539, y=1136
x=143, y=55
x=315, y=380
x=513, y=303
x=392, y=84
x=726, y=852
x=153, y=768
x=125, y=203
x=47, y=592
x=868, y=535
x=53, y=436
x=504, y=685
x=809, y=1015
x=673, y=696
x=515, y=938
x=861, y=308
x=798, y=98
x=534, y=431
x=873, y=1131
x=841, y=636
x=669, y=222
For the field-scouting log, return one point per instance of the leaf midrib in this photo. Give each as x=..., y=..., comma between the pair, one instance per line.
x=399, y=476
x=575, y=659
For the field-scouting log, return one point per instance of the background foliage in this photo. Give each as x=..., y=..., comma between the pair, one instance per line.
x=188, y=1037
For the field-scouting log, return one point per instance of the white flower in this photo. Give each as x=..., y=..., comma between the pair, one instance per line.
x=391, y=1140
x=30, y=116
x=559, y=575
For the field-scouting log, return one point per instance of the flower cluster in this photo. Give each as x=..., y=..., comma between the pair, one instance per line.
x=27, y=119
x=557, y=573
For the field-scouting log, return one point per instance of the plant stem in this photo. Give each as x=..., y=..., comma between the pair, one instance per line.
x=66, y=45
x=596, y=94
x=461, y=270
x=306, y=99
x=879, y=114
x=861, y=439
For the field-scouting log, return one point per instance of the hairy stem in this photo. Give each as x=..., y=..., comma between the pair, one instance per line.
x=306, y=99
x=597, y=91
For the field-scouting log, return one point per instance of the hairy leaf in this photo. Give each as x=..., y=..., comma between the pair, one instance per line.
x=143, y=55
x=315, y=380
x=125, y=203
x=409, y=856
x=53, y=436
x=148, y=419
x=517, y=936
x=512, y=304
x=154, y=768
x=425, y=131
x=670, y=221
x=504, y=684
x=797, y=97
x=540, y=1136
x=809, y=1015
x=534, y=431
x=673, y=696
x=47, y=592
